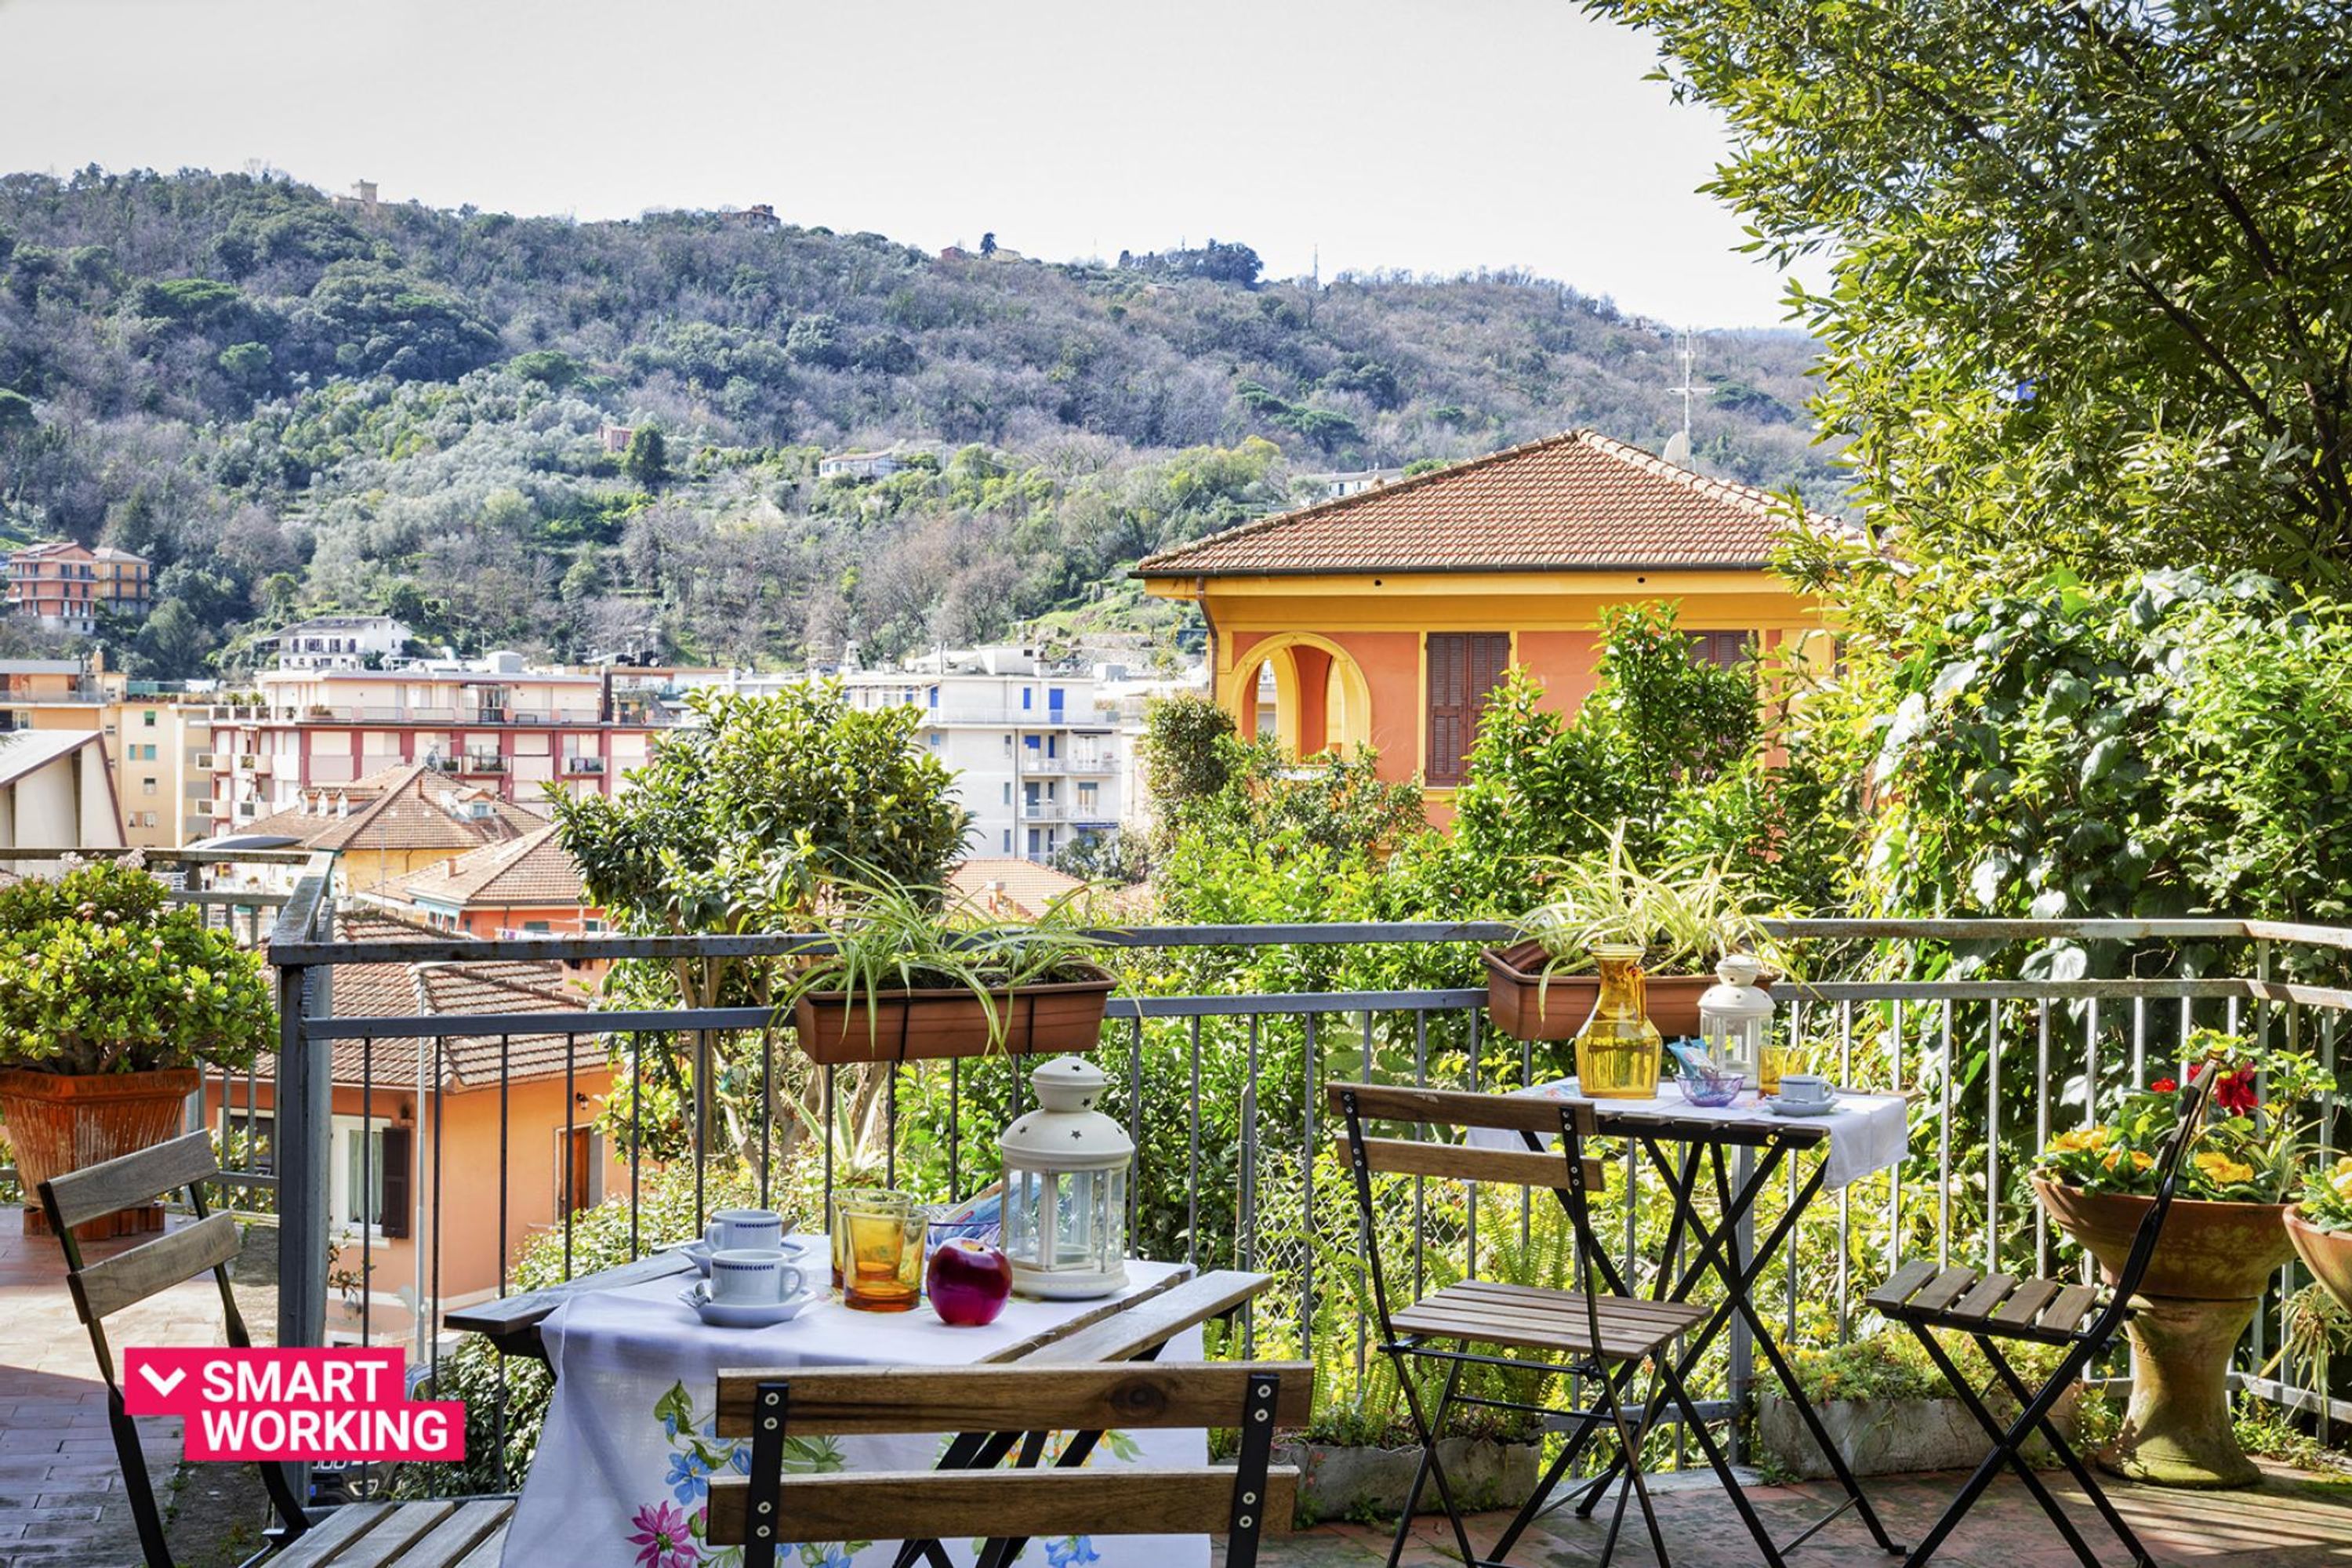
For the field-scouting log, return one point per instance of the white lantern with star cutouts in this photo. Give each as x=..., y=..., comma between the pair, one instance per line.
x=1066, y=1167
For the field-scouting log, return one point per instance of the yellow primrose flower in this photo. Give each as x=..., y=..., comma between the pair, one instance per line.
x=2080, y=1139
x=2342, y=1182
x=2222, y=1171
x=2344, y=1167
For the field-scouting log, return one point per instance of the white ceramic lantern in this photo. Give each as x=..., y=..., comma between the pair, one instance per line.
x=1065, y=1171
x=1734, y=1015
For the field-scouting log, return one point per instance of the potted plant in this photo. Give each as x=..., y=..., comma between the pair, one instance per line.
x=2320, y=1229
x=2224, y=1237
x=1890, y=1411
x=901, y=977
x=111, y=1001
x=1684, y=913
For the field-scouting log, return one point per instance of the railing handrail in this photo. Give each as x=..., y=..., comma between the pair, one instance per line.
x=766, y=944
x=160, y=856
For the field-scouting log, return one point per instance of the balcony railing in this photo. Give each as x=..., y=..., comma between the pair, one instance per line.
x=1240, y=1177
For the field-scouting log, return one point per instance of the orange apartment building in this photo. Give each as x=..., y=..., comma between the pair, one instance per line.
x=65, y=584
x=406, y=1109
x=1383, y=617
x=510, y=731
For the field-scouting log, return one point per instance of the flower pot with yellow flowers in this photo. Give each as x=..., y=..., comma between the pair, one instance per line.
x=2320, y=1227
x=2224, y=1237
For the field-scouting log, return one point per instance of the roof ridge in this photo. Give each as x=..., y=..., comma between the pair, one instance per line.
x=1766, y=502
x=1341, y=503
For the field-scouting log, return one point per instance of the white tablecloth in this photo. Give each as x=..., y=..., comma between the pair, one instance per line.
x=627, y=1452
x=1867, y=1131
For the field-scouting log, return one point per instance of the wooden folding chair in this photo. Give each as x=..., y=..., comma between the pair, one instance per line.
x=2082, y=1318
x=1591, y=1334
x=413, y=1535
x=767, y=1509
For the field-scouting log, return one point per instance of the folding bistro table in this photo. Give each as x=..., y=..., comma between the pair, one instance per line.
x=1862, y=1135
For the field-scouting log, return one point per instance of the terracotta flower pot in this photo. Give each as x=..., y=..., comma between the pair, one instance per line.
x=2211, y=1252
x=1525, y=1007
x=927, y=1026
x=2326, y=1253
x=62, y=1121
x=2200, y=1294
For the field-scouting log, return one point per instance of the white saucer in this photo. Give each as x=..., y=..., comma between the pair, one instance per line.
x=744, y=1314
x=1780, y=1107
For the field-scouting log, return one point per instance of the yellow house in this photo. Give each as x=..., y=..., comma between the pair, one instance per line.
x=1385, y=616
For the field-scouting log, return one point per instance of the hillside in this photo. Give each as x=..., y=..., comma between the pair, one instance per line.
x=294, y=404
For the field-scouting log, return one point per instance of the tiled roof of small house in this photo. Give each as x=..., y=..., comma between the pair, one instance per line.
x=410, y=807
x=531, y=871
x=1576, y=501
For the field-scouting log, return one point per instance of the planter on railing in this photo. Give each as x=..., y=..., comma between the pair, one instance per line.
x=1526, y=1005
x=839, y=1027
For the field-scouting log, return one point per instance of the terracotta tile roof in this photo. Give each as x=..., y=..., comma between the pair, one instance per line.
x=534, y=871
x=410, y=807
x=414, y=990
x=1576, y=501
x=1011, y=889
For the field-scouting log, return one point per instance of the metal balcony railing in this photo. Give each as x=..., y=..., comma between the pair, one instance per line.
x=1240, y=1177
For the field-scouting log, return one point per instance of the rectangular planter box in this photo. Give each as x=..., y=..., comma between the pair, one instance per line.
x=1890, y=1436
x=927, y=1026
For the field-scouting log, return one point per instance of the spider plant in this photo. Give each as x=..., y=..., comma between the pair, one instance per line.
x=887, y=936
x=1683, y=912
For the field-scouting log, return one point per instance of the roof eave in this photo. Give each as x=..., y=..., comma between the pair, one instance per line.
x=1446, y=569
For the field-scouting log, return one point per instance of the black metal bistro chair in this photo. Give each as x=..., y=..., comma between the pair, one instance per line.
x=2085, y=1319
x=412, y=1535
x=1590, y=1334
x=768, y=1509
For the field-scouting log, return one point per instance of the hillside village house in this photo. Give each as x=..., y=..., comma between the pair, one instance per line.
x=389, y=825
x=1384, y=617
x=404, y=1109
x=337, y=642
x=65, y=584
x=517, y=886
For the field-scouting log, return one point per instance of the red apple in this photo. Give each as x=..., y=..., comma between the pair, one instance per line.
x=970, y=1282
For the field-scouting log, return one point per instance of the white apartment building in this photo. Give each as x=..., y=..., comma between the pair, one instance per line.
x=338, y=642
x=1040, y=760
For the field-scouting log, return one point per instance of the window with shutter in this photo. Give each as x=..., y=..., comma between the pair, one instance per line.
x=1726, y=649
x=1464, y=667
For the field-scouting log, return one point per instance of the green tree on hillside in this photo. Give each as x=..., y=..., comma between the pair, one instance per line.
x=647, y=458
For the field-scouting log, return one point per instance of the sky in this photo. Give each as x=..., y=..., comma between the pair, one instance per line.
x=1422, y=135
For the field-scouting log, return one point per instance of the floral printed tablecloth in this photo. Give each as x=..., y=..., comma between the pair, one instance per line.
x=622, y=1475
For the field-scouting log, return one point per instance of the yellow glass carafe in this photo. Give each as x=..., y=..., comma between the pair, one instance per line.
x=1618, y=1053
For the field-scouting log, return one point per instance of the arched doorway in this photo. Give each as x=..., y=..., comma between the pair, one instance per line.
x=1303, y=689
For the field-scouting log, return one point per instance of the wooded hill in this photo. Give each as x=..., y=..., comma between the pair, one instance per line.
x=295, y=405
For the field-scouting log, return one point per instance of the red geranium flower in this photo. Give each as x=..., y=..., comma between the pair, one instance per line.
x=2234, y=1091
x=2163, y=1086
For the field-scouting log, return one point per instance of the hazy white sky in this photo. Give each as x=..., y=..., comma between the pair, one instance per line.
x=1425, y=134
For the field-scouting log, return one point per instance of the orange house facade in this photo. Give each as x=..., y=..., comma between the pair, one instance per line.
x=1383, y=618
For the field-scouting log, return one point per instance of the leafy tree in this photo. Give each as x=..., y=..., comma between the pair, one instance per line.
x=1184, y=754
x=988, y=243
x=816, y=340
x=247, y=364
x=647, y=458
x=2090, y=305
x=15, y=411
x=372, y=320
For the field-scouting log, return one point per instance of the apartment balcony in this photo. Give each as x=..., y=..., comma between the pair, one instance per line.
x=482, y=762
x=583, y=764
x=1042, y=811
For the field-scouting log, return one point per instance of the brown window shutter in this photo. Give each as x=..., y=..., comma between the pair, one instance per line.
x=1464, y=667
x=398, y=1142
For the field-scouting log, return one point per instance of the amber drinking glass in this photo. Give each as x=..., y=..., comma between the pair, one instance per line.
x=877, y=1251
x=1780, y=1057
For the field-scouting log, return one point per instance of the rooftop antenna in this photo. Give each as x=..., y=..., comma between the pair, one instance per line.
x=1678, y=445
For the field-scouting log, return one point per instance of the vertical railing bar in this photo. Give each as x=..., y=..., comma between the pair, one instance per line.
x=1420, y=1208
x=1135, y=1124
x=1845, y=1194
x=1307, y=1265
x=1364, y=1325
x=505, y=1161
x=1895, y=1173
x=2042, y=1123
x=367, y=1231
x=1192, y=1157
x=429, y=1322
x=890, y=1121
x=1246, y=1240
x=1527, y=1197
x=2139, y=1042
x=1992, y=1136
x=571, y=1131
x=955, y=1142
x=767, y=1110
x=636, y=1136
x=1470, y=1250
x=702, y=1106
x=1944, y=1153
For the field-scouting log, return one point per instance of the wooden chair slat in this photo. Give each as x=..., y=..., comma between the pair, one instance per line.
x=133, y=1179
x=390, y=1541
x=2026, y=1303
x=114, y=1283
x=1553, y=1321
x=1902, y=1283
x=2066, y=1311
x=1151, y=1324
x=1943, y=1289
x=457, y=1537
x=319, y=1545
x=860, y=1401
x=1984, y=1298
x=1456, y=1107
x=951, y=1504
x=1460, y=1161
x=1630, y=1306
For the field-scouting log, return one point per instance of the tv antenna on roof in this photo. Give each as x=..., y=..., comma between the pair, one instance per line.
x=1678, y=445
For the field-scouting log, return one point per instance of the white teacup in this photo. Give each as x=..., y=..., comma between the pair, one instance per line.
x=740, y=1229
x=1805, y=1088
x=753, y=1275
